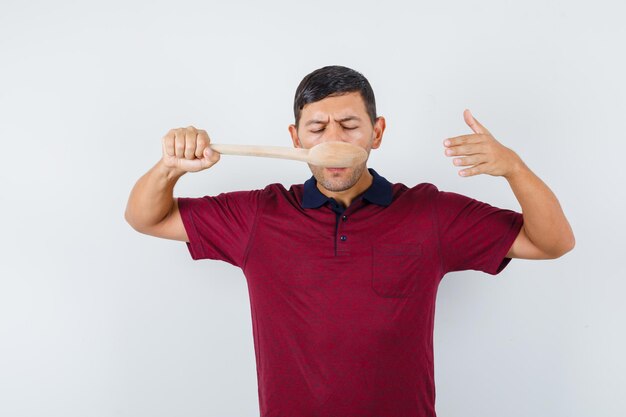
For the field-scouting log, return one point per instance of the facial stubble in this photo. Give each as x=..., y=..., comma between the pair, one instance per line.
x=339, y=181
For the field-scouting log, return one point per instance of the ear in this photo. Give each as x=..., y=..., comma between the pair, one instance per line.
x=294, y=136
x=379, y=129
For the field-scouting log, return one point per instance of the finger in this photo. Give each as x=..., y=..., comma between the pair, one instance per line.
x=473, y=123
x=202, y=143
x=475, y=170
x=191, y=135
x=197, y=164
x=189, y=165
x=168, y=143
x=179, y=145
x=469, y=160
x=463, y=139
x=470, y=149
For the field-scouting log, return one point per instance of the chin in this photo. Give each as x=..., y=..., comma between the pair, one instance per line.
x=339, y=180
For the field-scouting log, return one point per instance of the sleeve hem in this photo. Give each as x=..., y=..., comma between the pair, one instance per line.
x=195, y=247
x=500, y=261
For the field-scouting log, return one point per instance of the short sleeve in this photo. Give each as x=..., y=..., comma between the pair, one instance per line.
x=475, y=235
x=220, y=227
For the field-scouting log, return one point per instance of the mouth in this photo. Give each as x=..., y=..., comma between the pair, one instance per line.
x=336, y=170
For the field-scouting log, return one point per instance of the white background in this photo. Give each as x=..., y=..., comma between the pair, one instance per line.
x=99, y=320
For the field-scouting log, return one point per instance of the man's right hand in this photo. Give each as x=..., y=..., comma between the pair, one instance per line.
x=188, y=150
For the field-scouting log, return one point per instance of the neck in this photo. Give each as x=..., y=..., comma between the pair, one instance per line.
x=346, y=197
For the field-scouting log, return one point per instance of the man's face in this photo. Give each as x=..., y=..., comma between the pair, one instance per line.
x=337, y=118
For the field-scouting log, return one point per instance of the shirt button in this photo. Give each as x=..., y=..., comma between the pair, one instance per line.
x=344, y=218
x=343, y=238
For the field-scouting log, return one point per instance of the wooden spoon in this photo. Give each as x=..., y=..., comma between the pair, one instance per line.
x=326, y=154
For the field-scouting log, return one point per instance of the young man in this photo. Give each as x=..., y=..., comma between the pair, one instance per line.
x=343, y=270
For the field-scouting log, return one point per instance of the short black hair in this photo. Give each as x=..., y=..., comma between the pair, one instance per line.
x=333, y=80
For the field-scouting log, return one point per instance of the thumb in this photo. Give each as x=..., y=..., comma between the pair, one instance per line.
x=473, y=123
x=210, y=158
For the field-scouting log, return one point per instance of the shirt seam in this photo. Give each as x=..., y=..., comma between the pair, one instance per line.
x=437, y=221
x=252, y=234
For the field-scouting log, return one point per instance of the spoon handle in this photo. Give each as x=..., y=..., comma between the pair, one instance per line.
x=283, y=152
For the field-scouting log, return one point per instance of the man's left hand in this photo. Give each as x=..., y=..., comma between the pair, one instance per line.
x=481, y=152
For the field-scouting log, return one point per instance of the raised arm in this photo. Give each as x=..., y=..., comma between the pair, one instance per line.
x=546, y=233
x=152, y=208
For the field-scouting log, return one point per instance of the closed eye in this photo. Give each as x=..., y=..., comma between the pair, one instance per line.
x=322, y=129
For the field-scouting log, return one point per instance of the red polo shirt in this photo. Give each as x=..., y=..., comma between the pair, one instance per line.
x=343, y=302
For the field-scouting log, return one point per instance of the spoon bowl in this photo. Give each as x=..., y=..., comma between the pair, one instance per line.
x=336, y=155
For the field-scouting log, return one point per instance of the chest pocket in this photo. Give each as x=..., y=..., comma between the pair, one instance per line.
x=396, y=269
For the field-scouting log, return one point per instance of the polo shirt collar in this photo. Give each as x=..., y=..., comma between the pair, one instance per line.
x=379, y=192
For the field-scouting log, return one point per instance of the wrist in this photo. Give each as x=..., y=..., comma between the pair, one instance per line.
x=170, y=173
x=518, y=169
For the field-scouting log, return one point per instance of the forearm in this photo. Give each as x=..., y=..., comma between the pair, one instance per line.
x=151, y=199
x=545, y=223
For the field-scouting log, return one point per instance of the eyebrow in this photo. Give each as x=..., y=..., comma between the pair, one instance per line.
x=345, y=119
